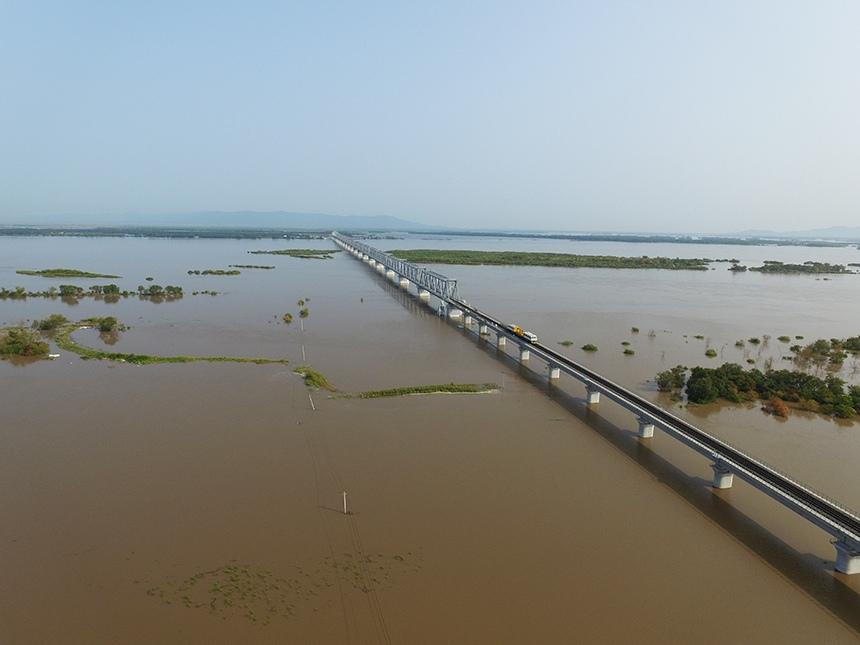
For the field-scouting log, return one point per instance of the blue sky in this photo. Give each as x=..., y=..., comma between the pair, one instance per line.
x=646, y=116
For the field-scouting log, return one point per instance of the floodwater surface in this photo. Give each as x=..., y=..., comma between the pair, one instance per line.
x=202, y=503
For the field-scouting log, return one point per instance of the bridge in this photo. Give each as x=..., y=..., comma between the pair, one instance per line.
x=841, y=523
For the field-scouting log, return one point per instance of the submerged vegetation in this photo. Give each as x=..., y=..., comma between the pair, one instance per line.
x=65, y=273
x=252, y=266
x=730, y=382
x=589, y=347
x=565, y=343
x=64, y=340
x=20, y=342
x=106, y=292
x=833, y=351
x=569, y=260
x=314, y=379
x=213, y=272
x=308, y=254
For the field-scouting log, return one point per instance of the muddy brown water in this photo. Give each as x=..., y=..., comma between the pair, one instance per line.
x=200, y=503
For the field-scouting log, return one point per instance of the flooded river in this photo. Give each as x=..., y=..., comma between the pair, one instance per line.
x=202, y=503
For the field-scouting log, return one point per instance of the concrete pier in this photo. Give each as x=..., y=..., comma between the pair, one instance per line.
x=404, y=283
x=723, y=477
x=524, y=354
x=500, y=341
x=372, y=263
x=554, y=372
x=467, y=321
x=483, y=330
x=592, y=396
x=423, y=294
x=390, y=274
x=455, y=313
x=646, y=429
x=380, y=267
x=847, y=557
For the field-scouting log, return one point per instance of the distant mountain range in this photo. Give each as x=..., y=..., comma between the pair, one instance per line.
x=830, y=233
x=241, y=219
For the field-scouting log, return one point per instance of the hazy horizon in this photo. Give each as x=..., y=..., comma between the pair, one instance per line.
x=665, y=117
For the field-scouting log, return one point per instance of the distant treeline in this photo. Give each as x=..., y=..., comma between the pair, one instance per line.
x=163, y=232
x=645, y=239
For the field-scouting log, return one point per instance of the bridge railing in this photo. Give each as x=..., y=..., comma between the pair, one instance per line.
x=439, y=285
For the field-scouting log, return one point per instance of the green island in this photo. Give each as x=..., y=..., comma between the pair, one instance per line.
x=317, y=381
x=441, y=388
x=307, y=254
x=781, y=389
x=107, y=292
x=65, y=273
x=252, y=266
x=568, y=260
x=773, y=266
x=213, y=272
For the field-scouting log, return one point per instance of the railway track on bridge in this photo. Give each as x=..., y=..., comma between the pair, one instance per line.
x=837, y=520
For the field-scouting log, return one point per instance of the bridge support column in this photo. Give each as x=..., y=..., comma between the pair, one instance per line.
x=646, y=428
x=554, y=372
x=404, y=283
x=380, y=267
x=592, y=396
x=455, y=314
x=483, y=330
x=390, y=274
x=372, y=263
x=847, y=557
x=723, y=477
x=467, y=321
x=424, y=294
x=500, y=341
x=524, y=354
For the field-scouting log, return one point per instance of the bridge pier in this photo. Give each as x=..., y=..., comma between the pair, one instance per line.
x=554, y=372
x=372, y=263
x=404, y=283
x=592, y=395
x=467, y=321
x=380, y=267
x=847, y=557
x=483, y=330
x=500, y=341
x=423, y=294
x=723, y=477
x=455, y=314
x=646, y=428
x=390, y=274
x=524, y=354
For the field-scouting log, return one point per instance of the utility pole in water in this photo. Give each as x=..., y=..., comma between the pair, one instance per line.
x=345, y=512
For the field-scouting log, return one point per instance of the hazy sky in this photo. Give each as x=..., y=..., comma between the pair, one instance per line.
x=648, y=116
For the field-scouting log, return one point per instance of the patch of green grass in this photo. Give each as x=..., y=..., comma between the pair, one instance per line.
x=625, y=343
x=699, y=337
x=784, y=339
x=589, y=347
x=314, y=379
x=444, y=388
x=634, y=330
x=64, y=273
x=711, y=353
x=565, y=343
x=628, y=351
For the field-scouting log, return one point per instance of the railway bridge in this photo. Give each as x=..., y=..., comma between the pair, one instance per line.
x=727, y=461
